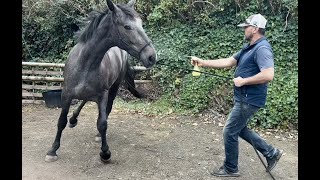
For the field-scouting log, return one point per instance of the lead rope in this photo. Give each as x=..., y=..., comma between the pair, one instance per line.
x=202, y=72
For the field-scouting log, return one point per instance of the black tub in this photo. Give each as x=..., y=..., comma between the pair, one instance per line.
x=52, y=98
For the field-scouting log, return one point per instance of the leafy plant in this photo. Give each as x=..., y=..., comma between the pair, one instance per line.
x=180, y=28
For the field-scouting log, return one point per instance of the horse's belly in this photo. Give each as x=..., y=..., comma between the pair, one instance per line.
x=85, y=92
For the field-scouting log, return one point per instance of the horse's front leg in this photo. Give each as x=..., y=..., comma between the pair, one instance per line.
x=102, y=126
x=73, y=120
x=112, y=95
x=62, y=122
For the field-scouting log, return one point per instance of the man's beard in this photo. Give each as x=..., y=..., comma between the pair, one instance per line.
x=248, y=38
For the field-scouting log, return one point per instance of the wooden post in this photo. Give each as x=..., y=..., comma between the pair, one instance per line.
x=60, y=71
x=33, y=84
x=46, y=69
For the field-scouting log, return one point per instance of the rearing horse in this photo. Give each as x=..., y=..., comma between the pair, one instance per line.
x=87, y=78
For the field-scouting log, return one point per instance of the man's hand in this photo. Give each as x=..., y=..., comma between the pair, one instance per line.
x=239, y=81
x=196, y=61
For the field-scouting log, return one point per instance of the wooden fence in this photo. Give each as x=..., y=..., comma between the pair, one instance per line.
x=39, y=77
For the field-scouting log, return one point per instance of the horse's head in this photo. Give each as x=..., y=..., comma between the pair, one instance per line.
x=131, y=35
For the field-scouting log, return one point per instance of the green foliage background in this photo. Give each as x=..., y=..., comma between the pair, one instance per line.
x=180, y=28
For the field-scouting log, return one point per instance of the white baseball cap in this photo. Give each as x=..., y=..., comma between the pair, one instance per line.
x=256, y=20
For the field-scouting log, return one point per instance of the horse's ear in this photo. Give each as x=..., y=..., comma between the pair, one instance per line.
x=131, y=3
x=112, y=6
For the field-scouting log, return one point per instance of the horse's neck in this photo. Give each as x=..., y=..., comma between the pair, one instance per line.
x=95, y=48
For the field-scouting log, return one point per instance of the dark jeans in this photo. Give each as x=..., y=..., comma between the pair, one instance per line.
x=236, y=126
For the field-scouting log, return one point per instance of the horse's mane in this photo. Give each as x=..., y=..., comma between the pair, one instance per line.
x=95, y=18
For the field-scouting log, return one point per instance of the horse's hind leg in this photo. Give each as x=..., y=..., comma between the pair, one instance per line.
x=102, y=126
x=73, y=120
x=112, y=95
x=62, y=122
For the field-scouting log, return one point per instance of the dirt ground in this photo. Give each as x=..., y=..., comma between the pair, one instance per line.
x=142, y=147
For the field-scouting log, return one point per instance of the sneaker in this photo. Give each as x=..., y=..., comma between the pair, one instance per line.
x=221, y=172
x=273, y=161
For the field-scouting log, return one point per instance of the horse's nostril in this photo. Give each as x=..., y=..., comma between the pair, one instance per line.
x=152, y=59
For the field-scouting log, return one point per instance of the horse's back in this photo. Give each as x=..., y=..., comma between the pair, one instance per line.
x=114, y=61
x=114, y=64
x=116, y=55
x=86, y=82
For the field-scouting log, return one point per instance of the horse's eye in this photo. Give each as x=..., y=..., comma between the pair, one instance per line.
x=128, y=27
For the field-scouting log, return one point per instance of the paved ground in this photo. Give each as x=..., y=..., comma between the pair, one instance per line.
x=153, y=148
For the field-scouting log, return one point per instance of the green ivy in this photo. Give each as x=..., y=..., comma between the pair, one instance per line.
x=197, y=94
x=180, y=28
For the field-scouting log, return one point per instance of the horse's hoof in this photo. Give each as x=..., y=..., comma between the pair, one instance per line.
x=51, y=158
x=105, y=161
x=105, y=157
x=72, y=125
x=97, y=139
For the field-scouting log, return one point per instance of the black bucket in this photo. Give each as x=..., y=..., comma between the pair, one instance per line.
x=52, y=98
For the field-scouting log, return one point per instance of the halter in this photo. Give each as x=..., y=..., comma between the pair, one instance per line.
x=122, y=40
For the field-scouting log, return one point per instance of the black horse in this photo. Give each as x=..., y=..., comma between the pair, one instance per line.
x=88, y=78
x=119, y=56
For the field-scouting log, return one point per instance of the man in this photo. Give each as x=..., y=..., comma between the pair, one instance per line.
x=254, y=69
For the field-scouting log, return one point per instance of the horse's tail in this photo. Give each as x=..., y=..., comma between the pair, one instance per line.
x=129, y=79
